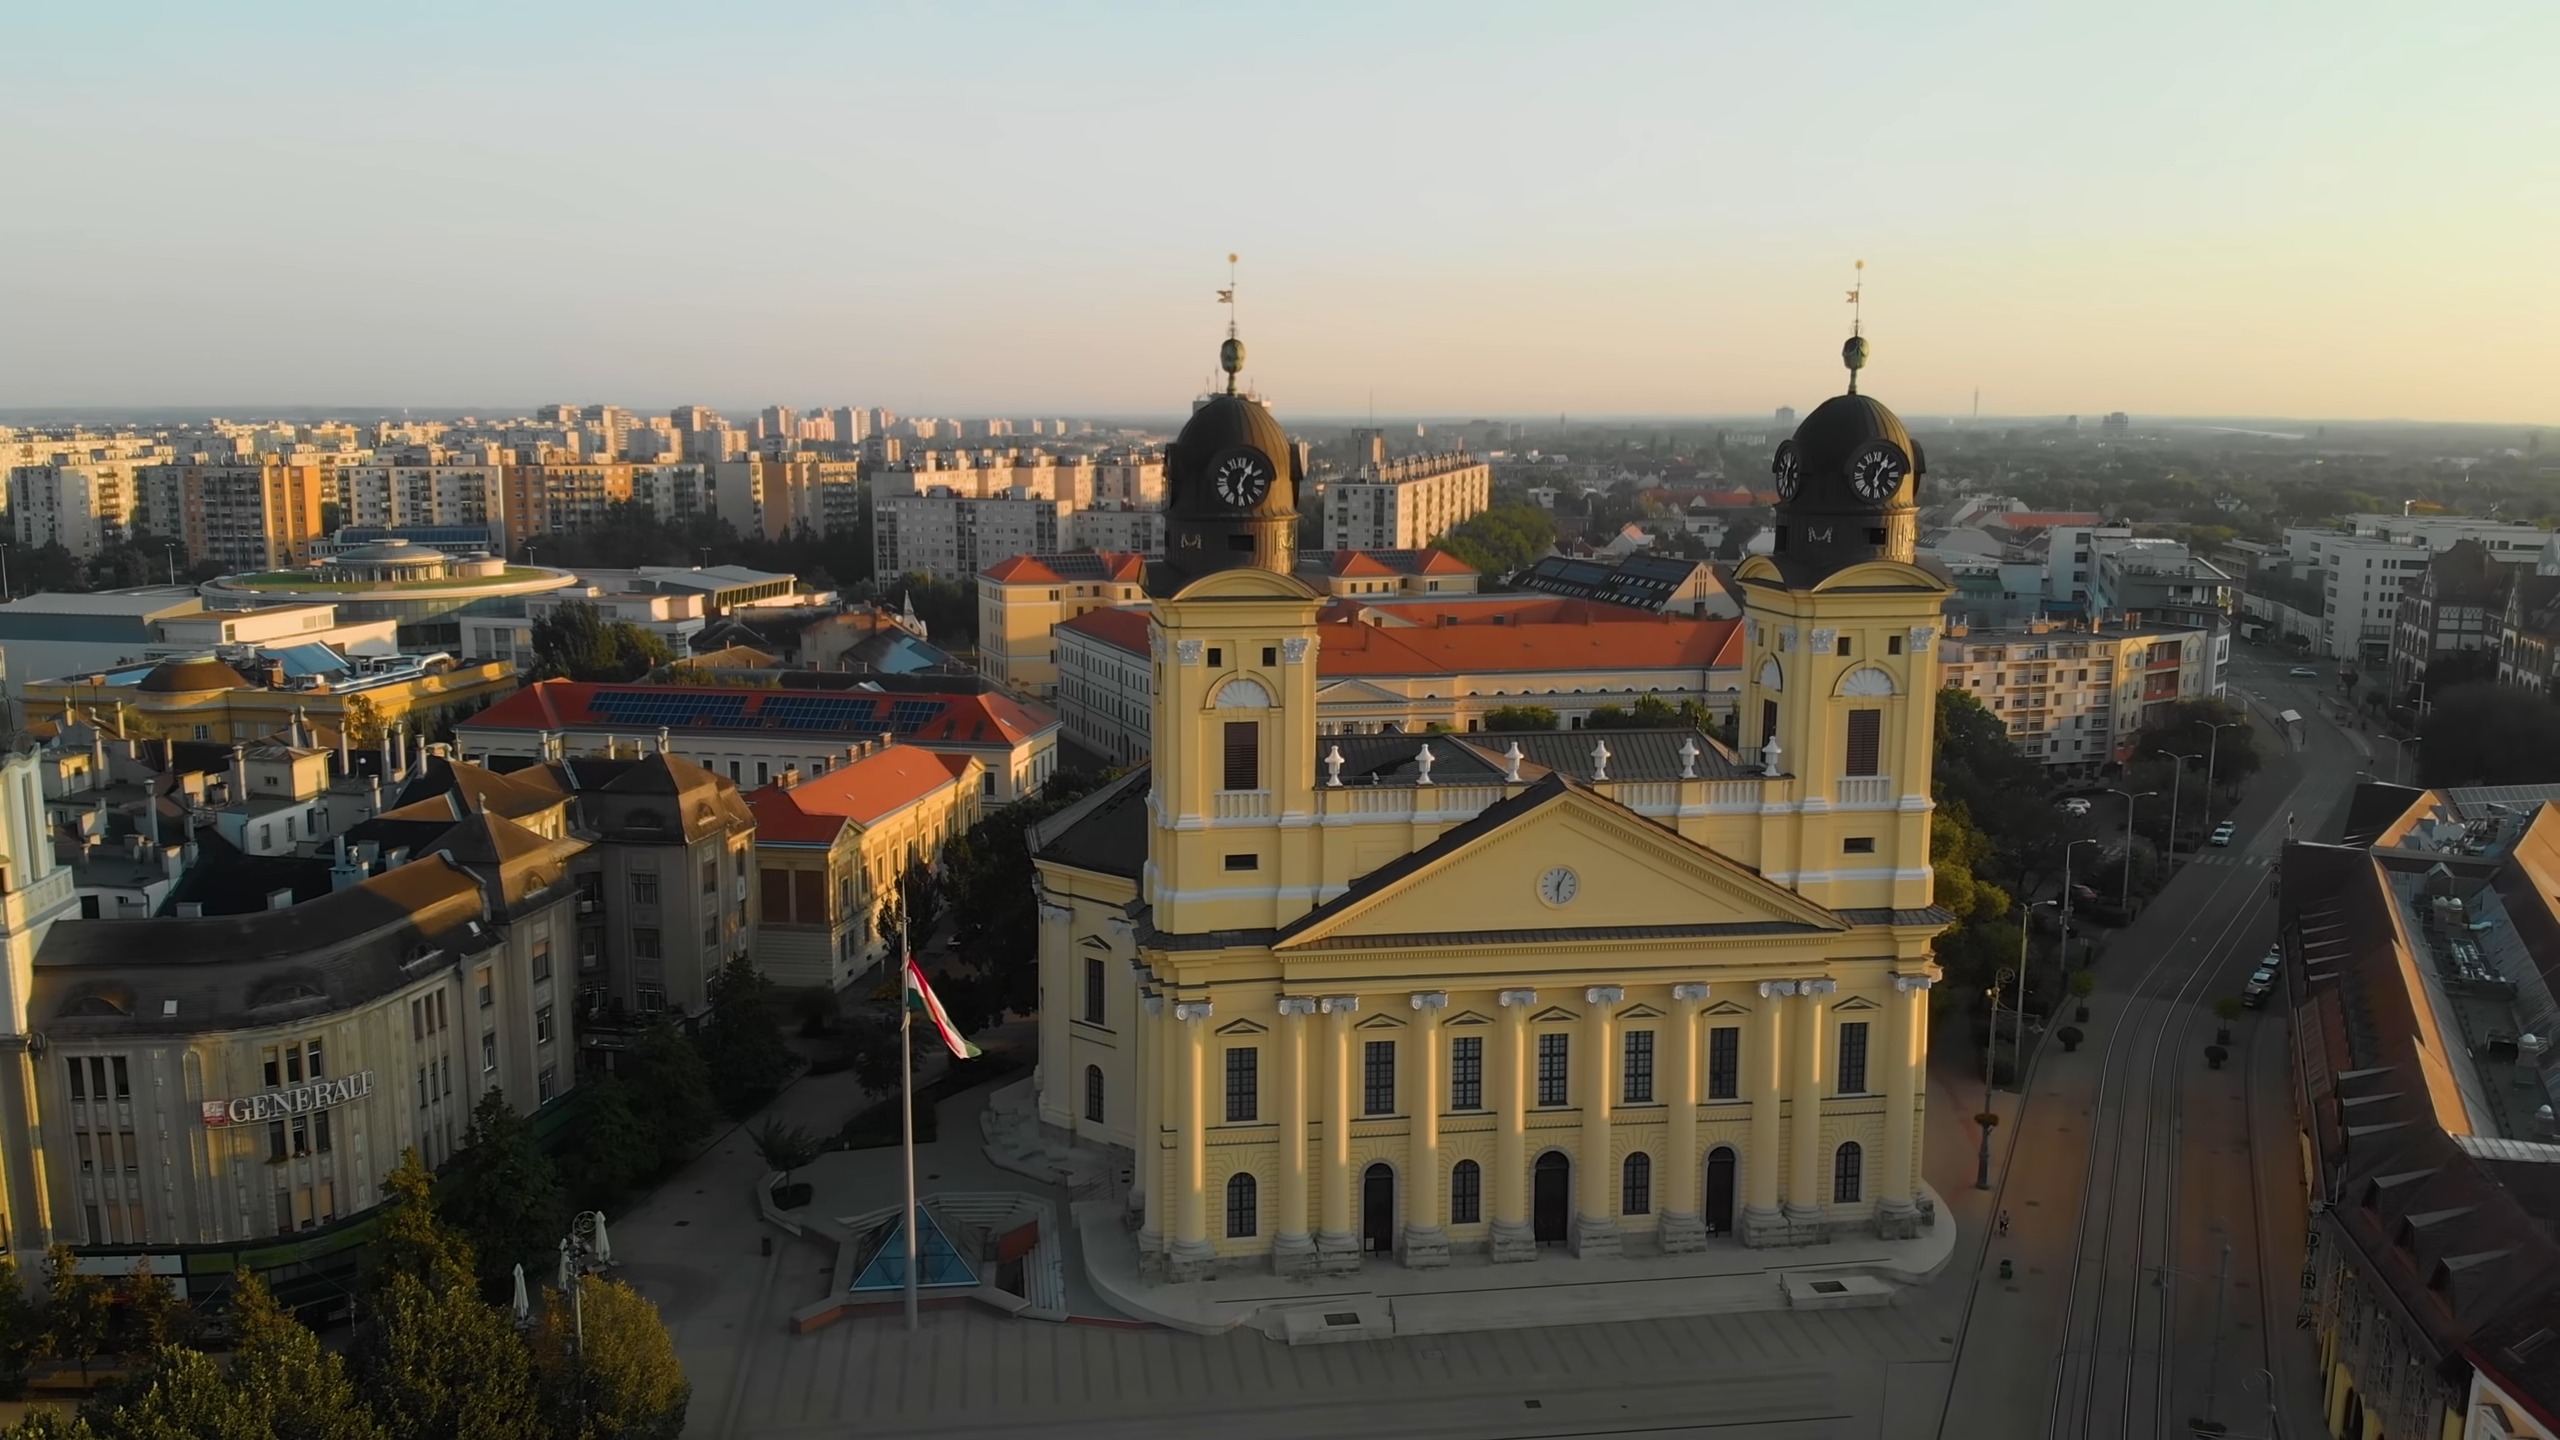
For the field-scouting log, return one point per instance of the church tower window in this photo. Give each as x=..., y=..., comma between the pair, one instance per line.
x=1866, y=730
x=1243, y=755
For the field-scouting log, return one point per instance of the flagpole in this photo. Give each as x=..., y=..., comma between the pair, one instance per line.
x=907, y=1102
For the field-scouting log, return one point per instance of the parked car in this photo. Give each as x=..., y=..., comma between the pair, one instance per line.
x=2273, y=959
x=2075, y=806
x=2263, y=983
x=2303, y=672
x=2223, y=832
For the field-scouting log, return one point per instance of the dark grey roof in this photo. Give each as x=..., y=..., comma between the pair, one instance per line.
x=1391, y=760
x=176, y=976
x=1645, y=582
x=1105, y=832
x=1930, y=916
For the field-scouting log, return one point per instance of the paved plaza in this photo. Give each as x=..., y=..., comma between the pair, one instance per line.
x=697, y=1248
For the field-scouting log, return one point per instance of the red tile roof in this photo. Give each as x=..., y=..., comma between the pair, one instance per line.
x=781, y=821
x=876, y=785
x=947, y=718
x=2043, y=519
x=1122, y=629
x=1356, y=562
x=1058, y=569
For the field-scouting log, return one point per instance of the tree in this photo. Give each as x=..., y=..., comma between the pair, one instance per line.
x=178, y=1394
x=1520, y=717
x=2489, y=735
x=78, y=1314
x=297, y=1389
x=741, y=1044
x=614, y=1150
x=503, y=1194
x=149, y=1315
x=363, y=722
x=786, y=1147
x=21, y=1331
x=621, y=1380
x=995, y=907
x=817, y=1006
x=576, y=642
x=438, y=1364
x=669, y=1088
x=1501, y=540
x=42, y=1424
x=2184, y=728
x=415, y=1240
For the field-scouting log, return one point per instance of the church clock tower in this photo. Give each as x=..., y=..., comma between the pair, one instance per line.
x=1840, y=673
x=1234, y=655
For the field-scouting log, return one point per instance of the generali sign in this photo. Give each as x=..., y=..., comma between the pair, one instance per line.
x=293, y=1100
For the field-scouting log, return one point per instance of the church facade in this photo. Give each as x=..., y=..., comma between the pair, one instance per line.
x=1602, y=992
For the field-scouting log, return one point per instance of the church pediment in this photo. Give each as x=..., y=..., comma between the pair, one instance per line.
x=1558, y=857
x=1354, y=692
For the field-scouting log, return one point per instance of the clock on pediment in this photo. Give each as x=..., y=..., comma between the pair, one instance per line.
x=1559, y=885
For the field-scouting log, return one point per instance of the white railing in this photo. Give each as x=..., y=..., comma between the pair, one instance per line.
x=1243, y=804
x=1649, y=794
x=1864, y=790
x=1467, y=799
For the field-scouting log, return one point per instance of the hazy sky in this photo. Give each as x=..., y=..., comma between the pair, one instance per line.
x=2324, y=210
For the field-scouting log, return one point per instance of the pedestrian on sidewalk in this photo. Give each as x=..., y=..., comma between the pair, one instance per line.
x=2004, y=1224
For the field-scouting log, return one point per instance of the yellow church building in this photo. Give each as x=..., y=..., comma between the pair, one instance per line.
x=1614, y=992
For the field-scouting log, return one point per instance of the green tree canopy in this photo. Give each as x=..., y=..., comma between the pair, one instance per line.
x=284, y=1377
x=995, y=907
x=503, y=1195
x=79, y=1311
x=438, y=1364
x=1501, y=540
x=624, y=1380
x=1520, y=717
x=669, y=1088
x=176, y=1394
x=741, y=1042
x=22, y=1331
x=576, y=642
x=415, y=1241
x=614, y=1149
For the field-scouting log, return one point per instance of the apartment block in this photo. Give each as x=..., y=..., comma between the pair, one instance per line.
x=1024, y=599
x=424, y=489
x=951, y=537
x=2078, y=697
x=2363, y=566
x=250, y=515
x=1404, y=504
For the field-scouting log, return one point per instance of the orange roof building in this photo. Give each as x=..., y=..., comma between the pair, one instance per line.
x=1407, y=667
x=831, y=852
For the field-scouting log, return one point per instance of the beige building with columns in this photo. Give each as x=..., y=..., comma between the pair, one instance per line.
x=1423, y=996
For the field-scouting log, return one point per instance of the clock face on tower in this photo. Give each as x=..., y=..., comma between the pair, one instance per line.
x=1559, y=886
x=1241, y=479
x=1789, y=468
x=1877, y=471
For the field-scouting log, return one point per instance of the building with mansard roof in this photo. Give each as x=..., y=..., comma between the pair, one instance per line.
x=1420, y=999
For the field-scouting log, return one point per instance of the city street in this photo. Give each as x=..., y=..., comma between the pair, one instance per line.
x=2140, y=1169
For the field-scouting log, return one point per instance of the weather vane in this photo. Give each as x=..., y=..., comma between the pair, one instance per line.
x=1854, y=354
x=1231, y=354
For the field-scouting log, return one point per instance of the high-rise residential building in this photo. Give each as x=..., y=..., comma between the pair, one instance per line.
x=1405, y=504
x=2077, y=696
x=2363, y=565
x=431, y=488
x=1786, y=417
x=250, y=515
x=952, y=537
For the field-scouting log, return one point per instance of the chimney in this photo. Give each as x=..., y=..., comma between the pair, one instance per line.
x=346, y=750
x=239, y=773
x=790, y=777
x=97, y=754
x=187, y=854
x=280, y=899
x=344, y=872
x=169, y=862
x=395, y=857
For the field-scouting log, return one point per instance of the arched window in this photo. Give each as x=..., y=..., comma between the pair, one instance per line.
x=1093, y=1093
x=1636, y=1197
x=1848, y=1172
x=1466, y=1193
x=1244, y=1206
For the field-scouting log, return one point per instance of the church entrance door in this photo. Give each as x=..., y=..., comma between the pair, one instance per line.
x=1378, y=1210
x=1551, y=1197
x=1720, y=1190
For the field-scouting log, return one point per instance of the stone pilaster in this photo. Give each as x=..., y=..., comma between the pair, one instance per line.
x=1424, y=1244
x=1337, y=1244
x=1762, y=1222
x=1683, y=1226
x=1906, y=1030
x=1293, y=1250
x=1595, y=1209
x=1513, y=1238
x=1193, y=1257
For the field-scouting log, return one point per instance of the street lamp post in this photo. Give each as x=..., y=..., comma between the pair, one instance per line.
x=171, y=550
x=586, y=1248
x=2400, y=762
x=2177, y=785
x=2066, y=899
x=2129, y=798
x=2213, y=753
x=1990, y=1058
x=2018, y=1036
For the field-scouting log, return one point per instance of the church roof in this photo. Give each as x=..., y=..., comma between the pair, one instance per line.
x=1105, y=832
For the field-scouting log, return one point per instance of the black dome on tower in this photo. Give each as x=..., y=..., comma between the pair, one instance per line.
x=1231, y=489
x=1848, y=484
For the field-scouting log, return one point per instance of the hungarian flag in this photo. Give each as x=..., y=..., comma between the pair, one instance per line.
x=922, y=1001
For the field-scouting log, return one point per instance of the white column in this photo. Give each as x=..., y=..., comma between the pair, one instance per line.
x=1762, y=1222
x=1684, y=1228
x=1595, y=1206
x=1192, y=1254
x=1337, y=1244
x=1293, y=1250
x=1808, y=1159
x=1513, y=1237
x=1425, y=1243
x=1906, y=1031
x=1146, y=1171
x=1061, y=1086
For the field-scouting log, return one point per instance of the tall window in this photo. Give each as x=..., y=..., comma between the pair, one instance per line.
x=1853, y=1057
x=1244, y=1087
x=1848, y=1166
x=1093, y=1093
x=1378, y=1075
x=1866, y=728
x=1553, y=1050
x=1093, y=973
x=1639, y=1061
x=1636, y=1185
x=1768, y=720
x=1466, y=1073
x=1244, y=1206
x=1466, y=1193
x=1724, y=1062
x=1244, y=755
